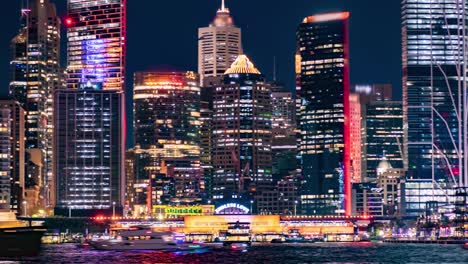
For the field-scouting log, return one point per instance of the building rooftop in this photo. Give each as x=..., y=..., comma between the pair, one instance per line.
x=242, y=64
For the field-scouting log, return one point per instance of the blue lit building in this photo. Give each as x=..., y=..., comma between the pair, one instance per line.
x=96, y=31
x=432, y=80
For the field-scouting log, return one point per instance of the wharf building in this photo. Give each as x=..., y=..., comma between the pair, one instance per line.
x=324, y=114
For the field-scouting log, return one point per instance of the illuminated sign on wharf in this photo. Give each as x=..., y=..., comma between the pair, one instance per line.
x=230, y=206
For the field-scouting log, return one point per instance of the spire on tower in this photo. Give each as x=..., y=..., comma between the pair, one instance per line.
x=223, y=8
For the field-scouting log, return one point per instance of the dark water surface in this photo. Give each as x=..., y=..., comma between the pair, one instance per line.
x=284, y=253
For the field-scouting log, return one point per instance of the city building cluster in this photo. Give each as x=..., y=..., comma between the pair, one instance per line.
x=226, y=139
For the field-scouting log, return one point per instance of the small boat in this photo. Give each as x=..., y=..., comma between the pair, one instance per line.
x=142, y=238
x=277, y=241
x=294, y=236
x=238, y=235
x=238, y=246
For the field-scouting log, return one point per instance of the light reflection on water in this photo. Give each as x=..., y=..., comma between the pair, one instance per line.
x=273, y=253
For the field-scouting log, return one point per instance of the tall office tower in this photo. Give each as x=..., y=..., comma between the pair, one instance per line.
x=96, y=31
x=324, y=114
x=283, y=122
x=36, y=74
x=434, y=55
x=355, y=136
x=89, y=148
x=370, y=93
x=12, y=177
x=166, y=113
x=241, y=133
x=206, y=142
x=129, y=181
x=219, y=44
x=384, y=130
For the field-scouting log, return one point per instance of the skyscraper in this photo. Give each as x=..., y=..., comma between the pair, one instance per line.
x=96, y=31
x=355, y=126
x=90, y=151
x=167, y=134
x=241, y=133
x=12, y=181
x=324, y=114
x=434, y=83
x=11, y=155
x=384, y=130
x=36, y=74
x=283, y=121
x=219, y=44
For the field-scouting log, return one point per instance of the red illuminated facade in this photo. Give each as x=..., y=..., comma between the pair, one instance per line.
x=356, y=138
x=324, y=114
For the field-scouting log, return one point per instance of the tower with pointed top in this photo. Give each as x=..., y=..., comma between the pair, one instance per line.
x=219, y=44
x=241, y=133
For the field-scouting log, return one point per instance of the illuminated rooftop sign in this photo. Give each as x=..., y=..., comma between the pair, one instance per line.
x=232, y=208
x=326, y=17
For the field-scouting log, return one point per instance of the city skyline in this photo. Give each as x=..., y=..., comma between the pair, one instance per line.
x=181, y=54
x=150, y=126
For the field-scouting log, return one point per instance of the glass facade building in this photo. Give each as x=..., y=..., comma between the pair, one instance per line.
x=384, y=130
x=433, y=62
x=96, y=31
x=12, y=155
x=241, y=132
x=166, y=113
x=322, y=41
x=283, y=123
x=90, y=151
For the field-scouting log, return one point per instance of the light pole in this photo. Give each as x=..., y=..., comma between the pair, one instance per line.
x=113, y=209
x=69, y=210
x=251, y=206
x=25, y=208
x=295, y=207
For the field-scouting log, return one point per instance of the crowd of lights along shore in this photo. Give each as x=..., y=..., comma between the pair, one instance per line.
x=225, y=139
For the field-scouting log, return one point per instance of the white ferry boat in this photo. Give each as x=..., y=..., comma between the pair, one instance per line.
x=143, y=238
x=238, y=235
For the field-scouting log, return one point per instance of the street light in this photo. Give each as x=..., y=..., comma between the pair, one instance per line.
x=113, y=209
x=25, y=208
x=295, y=207
x=251, y=205
x=69, y=209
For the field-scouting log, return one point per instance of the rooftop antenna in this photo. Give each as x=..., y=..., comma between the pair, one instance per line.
x=274, y=68
x=223, y=6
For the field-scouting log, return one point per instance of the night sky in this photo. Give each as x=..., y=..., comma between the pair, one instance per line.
x=164, y=33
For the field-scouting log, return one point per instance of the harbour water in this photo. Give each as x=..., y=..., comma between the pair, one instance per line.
x=267, y=253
